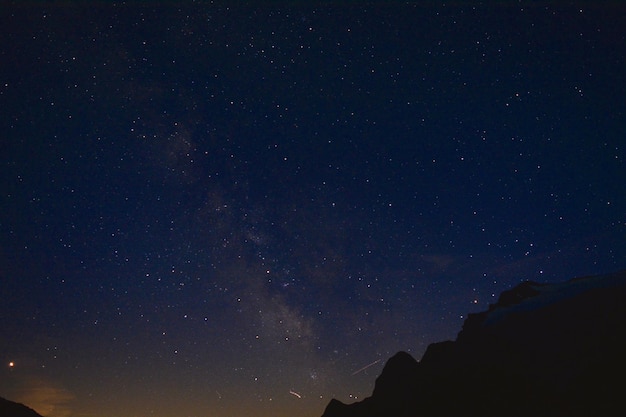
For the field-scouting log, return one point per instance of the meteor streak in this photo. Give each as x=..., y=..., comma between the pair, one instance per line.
x=366, y=366
x=295, y=394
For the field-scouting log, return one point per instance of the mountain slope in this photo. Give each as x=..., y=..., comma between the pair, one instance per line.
x=541, y=350
x=12, y=409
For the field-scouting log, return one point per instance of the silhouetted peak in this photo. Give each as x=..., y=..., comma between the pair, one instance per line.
x=13, y=409
x=517, y=294
x=336, y=408
x=436, y=352
x=508, y=299
x=397, y=375
x=399, y=362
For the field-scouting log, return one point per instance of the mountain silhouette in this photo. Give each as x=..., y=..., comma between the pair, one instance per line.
x=542, y=350
x=13, y=409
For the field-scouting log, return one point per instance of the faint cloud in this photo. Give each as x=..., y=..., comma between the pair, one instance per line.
x=438, y=263
x=45, y=397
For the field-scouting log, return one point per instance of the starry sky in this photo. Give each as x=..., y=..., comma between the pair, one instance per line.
x=244, y=208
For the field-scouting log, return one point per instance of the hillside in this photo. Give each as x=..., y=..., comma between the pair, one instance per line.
x=13, y=409
x=541, y=350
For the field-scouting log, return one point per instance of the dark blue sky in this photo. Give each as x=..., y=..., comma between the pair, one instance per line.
x=230, y=210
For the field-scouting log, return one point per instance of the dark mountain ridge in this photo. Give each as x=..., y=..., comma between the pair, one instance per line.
x=541, y=350
x=13, y=409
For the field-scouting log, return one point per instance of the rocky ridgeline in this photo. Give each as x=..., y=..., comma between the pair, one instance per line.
x=541, y=350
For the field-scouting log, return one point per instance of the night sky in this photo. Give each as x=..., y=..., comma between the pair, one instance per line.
x=245, y=210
